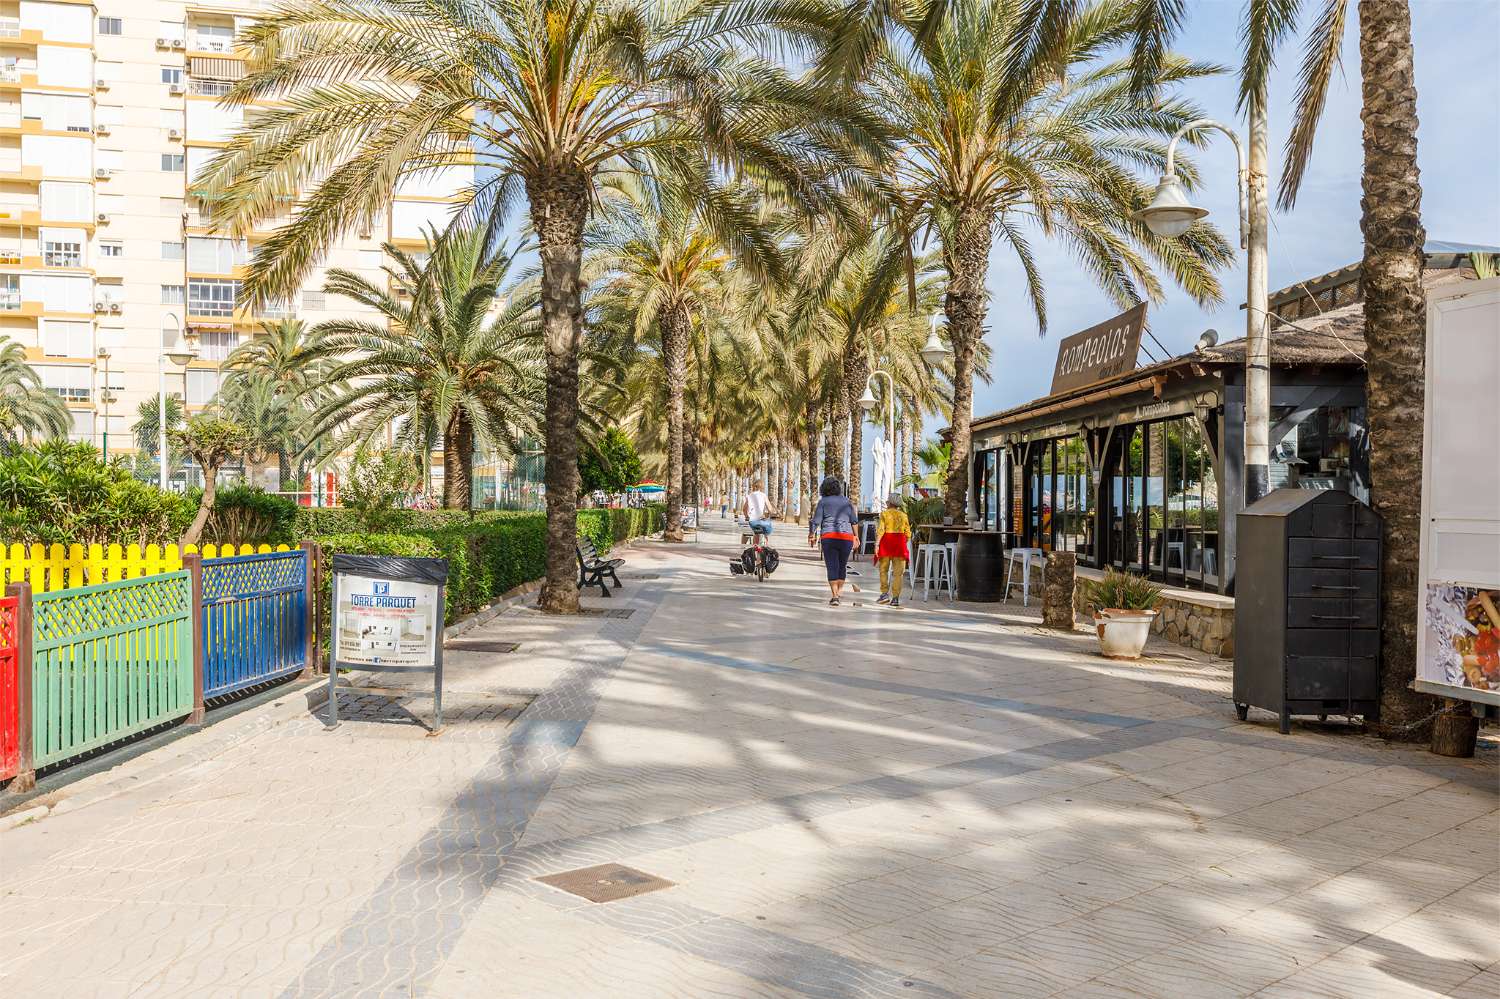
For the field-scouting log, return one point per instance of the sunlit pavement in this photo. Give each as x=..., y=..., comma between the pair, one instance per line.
x=936, y=800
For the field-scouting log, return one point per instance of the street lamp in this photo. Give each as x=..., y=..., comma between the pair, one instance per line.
x=106, y=397
x=867, y=402
x=1171, y=213
x=181, y=359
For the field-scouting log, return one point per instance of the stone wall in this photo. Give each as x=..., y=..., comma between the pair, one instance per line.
x=1202, y=621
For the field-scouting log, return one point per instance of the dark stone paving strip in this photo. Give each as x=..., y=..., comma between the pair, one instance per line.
x=404, y=931
x=931, y=693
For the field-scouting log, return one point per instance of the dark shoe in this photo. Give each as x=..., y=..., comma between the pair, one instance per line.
x=895, y=601
x=885, y=598
x=833, y=601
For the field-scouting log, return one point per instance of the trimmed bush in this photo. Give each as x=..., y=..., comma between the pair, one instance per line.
x=246, y=515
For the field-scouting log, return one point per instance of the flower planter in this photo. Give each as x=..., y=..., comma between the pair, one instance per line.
x=1123, y=633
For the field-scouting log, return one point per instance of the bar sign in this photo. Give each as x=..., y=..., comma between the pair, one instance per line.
x=1099, y=352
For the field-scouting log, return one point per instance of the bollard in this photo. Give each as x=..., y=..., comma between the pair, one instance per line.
x=1058, y=580
x=314, y=593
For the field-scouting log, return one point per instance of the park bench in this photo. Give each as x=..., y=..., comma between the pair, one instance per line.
x=593, y=570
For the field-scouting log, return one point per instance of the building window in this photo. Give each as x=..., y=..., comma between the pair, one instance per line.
x=171, y=74
x=10, y=292
x=111, y=26
x=212, y=297
x=171, y=251
x=202, y=385
x=62, y=252
x=171, y=294
x=111, y=248
x=67, y=338
x=314, y=301
x=172, y=162
x=208, y=255
x=216, y=345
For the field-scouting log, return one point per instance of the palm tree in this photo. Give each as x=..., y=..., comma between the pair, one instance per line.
x=28, y=412
x=545, y=96
x=451, y=356
x=664, y=252
x=272, y=384
x=1391, y=272
x=1016, y=124
x=147, y=433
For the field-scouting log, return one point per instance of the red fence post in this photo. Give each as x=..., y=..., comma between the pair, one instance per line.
x=25, y=778
x=193, y=563
x=314, y=594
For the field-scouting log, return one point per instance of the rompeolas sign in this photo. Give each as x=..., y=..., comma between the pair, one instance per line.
x=1099, y=351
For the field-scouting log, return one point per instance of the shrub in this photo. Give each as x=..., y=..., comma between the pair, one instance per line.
x=62, y=492
x=1122, y=591
x=246, y=515
x=375, y=486
x=609, y=464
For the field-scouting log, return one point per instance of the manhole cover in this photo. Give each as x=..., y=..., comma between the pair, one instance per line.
x=645, y=576
x=606, y=882
x=623, y=612
x=480, y=645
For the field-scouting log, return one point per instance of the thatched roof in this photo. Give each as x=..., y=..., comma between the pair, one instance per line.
x=1335, y=337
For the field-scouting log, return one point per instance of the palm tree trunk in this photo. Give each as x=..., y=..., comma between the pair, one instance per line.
x=967, y=260
x=458, y=462
x=915, y=463
x=674, y=343
x=559, y=207
x=1396, y=335
x=812, y=428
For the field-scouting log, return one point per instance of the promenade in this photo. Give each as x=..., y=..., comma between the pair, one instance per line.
x=933, y=801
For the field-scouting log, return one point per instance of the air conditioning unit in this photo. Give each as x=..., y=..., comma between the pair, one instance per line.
x=102, y=173
x=114, y=307
x=101, y=306
x=177, y=90
x=164, y=43
x=102, y=128
x=174, y=133
x=177, y=43
x=101, y=83
x=102, y=218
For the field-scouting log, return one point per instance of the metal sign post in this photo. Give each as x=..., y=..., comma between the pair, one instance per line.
x=388, y=617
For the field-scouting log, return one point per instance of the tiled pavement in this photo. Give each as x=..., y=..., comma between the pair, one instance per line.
x=933, y=801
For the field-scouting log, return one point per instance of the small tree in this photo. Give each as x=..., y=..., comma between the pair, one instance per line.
x=212, y=442
x=609, y=464
x=376, y=483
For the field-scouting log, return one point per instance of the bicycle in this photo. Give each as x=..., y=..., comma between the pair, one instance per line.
x=759, y=560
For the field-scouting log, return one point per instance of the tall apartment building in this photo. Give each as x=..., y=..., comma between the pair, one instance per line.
x=107, y=111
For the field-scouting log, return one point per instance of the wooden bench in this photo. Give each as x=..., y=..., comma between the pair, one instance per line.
x=593, y=570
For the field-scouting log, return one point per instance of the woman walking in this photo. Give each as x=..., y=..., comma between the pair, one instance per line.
x=832, y=523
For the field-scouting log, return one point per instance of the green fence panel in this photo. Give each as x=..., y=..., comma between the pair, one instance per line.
x=109, y=661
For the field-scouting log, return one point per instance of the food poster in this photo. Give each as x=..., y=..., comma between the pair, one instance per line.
x=385, y=622
x=1462, y=640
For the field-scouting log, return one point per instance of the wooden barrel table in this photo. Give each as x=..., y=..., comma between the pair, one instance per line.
x=981, y=566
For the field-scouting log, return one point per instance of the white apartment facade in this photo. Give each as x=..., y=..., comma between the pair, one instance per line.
x=107, y=111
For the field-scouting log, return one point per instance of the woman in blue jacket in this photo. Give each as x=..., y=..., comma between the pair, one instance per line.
x=832, y=524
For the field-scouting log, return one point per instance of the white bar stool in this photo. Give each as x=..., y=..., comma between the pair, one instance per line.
x=1022, y=557
x=937, y=570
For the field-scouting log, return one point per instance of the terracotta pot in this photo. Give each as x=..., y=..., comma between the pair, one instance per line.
x=1123, y=633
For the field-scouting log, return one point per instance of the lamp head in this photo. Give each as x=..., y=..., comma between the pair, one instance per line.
x=867, y=401
x=1170, y=213
x=181, y=357
x=1209, y=339
x=934, y=352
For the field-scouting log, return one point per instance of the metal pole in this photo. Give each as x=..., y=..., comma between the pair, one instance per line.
x=1257, y=341
x=161, y=417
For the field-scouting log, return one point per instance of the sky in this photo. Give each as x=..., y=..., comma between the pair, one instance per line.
x=1457, y=49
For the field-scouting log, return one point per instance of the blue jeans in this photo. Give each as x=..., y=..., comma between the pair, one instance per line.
x=763, y=526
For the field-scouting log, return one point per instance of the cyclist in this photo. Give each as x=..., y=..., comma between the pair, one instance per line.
x=757, y=508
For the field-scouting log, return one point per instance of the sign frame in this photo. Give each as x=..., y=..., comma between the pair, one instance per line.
x=1450, y=533
x=1100, y=352
x=423, y=581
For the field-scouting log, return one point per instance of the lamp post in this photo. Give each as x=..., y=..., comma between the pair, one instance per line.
x=1172, y=213
x=178, y=357
x=106, y=397
x=867, y=403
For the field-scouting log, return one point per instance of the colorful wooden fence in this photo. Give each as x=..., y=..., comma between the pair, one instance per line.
x=255, y=619
x=108, y=661
x=10, y=691
x=49, y=568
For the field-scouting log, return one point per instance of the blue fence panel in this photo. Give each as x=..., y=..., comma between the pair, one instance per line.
x=254, y=619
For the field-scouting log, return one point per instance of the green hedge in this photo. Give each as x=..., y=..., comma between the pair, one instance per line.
x=491, y=552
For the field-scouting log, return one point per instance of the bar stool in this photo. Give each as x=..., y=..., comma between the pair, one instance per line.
x=937, y=570
x=1023, y=557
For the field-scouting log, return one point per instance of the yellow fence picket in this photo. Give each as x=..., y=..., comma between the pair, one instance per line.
x=56, y=566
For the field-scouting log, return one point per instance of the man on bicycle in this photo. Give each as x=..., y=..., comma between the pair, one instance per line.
x=757, y=508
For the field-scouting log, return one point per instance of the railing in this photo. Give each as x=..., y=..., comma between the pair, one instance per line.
x=10, y=27
x=10, y=74
x=209, y=88
x=10, y=692
x=109, y=661
x=54, y=567
x=255, y=620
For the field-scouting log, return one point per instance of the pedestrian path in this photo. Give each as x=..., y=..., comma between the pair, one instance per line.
x=937, y=800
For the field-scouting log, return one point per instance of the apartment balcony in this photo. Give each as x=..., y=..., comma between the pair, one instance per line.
x=13, y=172
x=11, y=33
x=208, y=88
